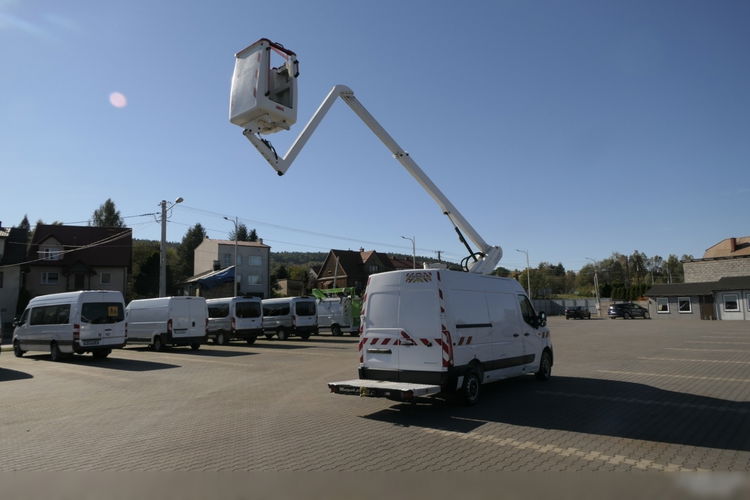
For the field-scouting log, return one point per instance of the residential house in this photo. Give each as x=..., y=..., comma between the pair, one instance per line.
x=253, y=264
x=12, y=253
x=348, y=268
x=67, y=258
x=290, y=288
x=717, y=286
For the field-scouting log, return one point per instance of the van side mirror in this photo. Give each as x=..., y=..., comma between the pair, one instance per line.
x=542, y=319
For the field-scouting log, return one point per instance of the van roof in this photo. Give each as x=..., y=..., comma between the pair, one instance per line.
x=287, y=299
x=227, y=300
x=72, y=296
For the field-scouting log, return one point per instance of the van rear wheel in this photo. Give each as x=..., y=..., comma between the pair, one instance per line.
x=55, y=352
x=17, y=349
x=471, y=387
x=157, y=344
x=336, y=330
x=220, y=339
x=195, y=346
x=282, y=334
x=101, y=353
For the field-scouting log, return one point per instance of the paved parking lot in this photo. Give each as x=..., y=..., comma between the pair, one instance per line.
x=625, y=395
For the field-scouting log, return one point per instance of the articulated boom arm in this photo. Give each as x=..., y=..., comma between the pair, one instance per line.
x=484, y=261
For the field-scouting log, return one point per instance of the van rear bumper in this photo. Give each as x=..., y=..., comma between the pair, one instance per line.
x=447, y=378
x=172, y=340
x=396, y=391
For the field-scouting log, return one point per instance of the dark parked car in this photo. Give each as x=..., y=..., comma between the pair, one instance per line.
x=628, y=310
x=577, y=312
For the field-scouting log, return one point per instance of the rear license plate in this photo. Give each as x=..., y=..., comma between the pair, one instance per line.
x=90, y=342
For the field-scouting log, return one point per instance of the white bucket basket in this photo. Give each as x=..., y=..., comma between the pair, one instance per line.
x=264, y=99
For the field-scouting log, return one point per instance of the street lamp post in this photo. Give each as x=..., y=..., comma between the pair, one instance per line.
x=163, y=246
x=596, y=286
x=528, y=273
x=236, y=235
x=413, y=250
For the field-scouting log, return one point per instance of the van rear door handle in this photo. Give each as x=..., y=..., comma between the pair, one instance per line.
x=526, y=334
x=515, y=335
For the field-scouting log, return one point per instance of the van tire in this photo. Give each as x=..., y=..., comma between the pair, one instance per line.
x=336, y=330
x=17, y=349
x=471, y=387
x=195, y=346
x=251, y=340
x=157, y=344
x=269, y=336
x=101, y=353
x=220, y=339
x=304, y=336
x=282, y=334
x=55, y=353
x=545, y=366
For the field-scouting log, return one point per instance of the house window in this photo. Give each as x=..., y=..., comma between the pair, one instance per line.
x=226, y=259
x=372, y=269
x=731, y=302
x=239, y=260
x=684, y=305
x=238, y=278
x=105, y=278
x=662, y=305
x=50, y=278
x=253, y=279
x=256, y=260
x=50, y=253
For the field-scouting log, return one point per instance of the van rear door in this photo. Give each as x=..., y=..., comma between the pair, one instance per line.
x=402, y=329
x=102, y=323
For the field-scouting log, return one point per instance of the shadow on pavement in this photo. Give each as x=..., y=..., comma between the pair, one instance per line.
x=8, y=375
x=110, y=363
x=590, y=406
x=200, y=352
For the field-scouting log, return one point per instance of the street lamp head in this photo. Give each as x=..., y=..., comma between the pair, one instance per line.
x=178, y=200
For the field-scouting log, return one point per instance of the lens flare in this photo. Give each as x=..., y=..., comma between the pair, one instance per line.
x=118, y=100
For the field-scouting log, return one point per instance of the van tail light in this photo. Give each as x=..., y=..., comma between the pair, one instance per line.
x=234, y=324
x=76, y=332
x=206, y=326
x=169, y=326
x=126, y=329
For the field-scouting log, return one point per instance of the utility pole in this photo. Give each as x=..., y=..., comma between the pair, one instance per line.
x=236, y=235
x=596, y=286
x=528, y=273
x=413, y=250
x=163, y=246
x=439, y=252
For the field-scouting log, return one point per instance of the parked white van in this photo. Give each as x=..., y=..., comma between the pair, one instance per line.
x=72, y=322
x=290, y=316
x=438, y=332
x=234, y=317
x=167, y=321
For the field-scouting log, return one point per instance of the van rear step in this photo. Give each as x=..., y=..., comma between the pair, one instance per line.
x=397, y=391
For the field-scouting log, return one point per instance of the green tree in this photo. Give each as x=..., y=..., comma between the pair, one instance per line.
x=107, y=215
x=186, y=251
x=243, y=234
x=25, y=223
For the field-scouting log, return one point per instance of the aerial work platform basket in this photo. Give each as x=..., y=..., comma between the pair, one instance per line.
x=264, y=98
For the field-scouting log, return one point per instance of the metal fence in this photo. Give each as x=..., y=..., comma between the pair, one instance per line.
x=556, y=307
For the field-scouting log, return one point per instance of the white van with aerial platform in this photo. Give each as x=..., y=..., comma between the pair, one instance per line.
x=72, y=322
x=167, y=321
x=424, y=332
x=234, y=317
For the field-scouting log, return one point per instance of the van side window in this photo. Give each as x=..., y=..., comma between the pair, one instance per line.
x=305, y=308
x=276, y=309
x=50, y=315
x=527, y=311
x=218, y=311
x=248, y=310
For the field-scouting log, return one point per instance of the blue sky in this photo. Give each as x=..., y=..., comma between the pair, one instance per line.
x=569, y=128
